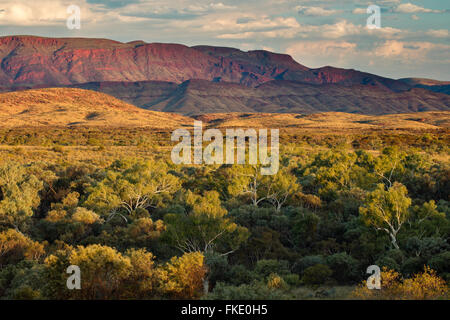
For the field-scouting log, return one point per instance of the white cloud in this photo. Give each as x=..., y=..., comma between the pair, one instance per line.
x=388, y=58
x=411, y=51
x=48, y=13
x=206, y=8
x=27, y=14
x=340, y=29
x=359, y=11
x=260, y=35
x=247, y=23
x=412, y=8
x=319, y=53
x=287, y=29
x=345, y=28
x=441, y=33
x=316, y=11
x=221, y=6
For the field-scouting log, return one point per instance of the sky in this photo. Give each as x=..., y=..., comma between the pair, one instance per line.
x=413, y=40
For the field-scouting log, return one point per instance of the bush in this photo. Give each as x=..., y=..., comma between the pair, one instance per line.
x=276, y=282
x=440, y=262
x=266, y=267
x=14, y=247
x=26, y=293
x=412, y=265
x=239, y=274
x=388, y=263
x=218, y=267
x=292, y=279
x=307, y=261
x=316, y=275
x=397, y=255
x=345, y=267
x=85, y=216
x=422, y=286
x=426, y=247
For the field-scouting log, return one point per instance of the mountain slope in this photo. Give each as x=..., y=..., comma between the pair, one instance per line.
x=283, y=67
x=195, y=97
x=29, y=60
x=77, y=107
x=37, y=61
x=139, y=93
x=430, y=84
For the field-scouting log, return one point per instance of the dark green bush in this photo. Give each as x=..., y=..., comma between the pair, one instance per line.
x=316, y=275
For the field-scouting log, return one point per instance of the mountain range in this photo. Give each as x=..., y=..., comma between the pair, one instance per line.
x=205, y=79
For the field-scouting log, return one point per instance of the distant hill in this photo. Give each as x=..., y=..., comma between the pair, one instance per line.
x=430, y=84
x=195, y=97
x=70, y=107
x=329, y=121
x=77, y=107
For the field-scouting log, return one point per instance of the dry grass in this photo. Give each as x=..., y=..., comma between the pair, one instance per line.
x=77, y=107
x=332, y=121
x=92, y=127
x=66, y=107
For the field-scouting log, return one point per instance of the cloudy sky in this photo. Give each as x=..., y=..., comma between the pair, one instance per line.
x=413, y=41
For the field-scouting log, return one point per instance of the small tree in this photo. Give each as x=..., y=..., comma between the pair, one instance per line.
x=14, y=246
x=182, y=277
x=19, y=194
x=248, y=181
x=104, y=271
x=275, y=189
x=282, y=186
x=142, y=186
x=205, y=228
x=387, y=210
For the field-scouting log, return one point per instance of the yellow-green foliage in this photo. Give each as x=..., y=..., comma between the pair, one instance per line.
x=422, y=286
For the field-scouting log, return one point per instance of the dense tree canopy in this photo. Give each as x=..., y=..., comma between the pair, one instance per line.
x=148, y=229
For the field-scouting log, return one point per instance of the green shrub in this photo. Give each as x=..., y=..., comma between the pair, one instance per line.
x=265, y=267
x=412, y=266
x=306, y=262
x=345, y=267
x=388, y=262
x=316, y=275
x=441, y=262
x=239, y=274
x=292, y=279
